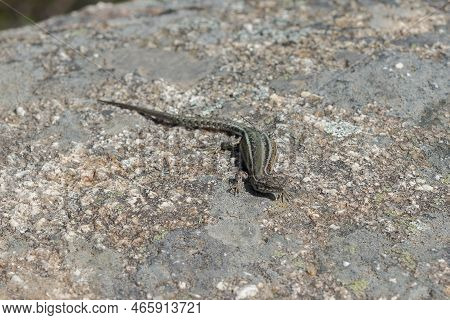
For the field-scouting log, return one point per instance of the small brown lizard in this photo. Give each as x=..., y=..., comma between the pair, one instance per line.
x=258, y=151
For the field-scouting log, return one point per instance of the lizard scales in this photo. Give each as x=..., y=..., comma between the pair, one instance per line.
x=257, y=150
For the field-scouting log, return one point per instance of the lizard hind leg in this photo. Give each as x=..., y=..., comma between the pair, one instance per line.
x=237, y=184
x=230, y=145
x=225, y=145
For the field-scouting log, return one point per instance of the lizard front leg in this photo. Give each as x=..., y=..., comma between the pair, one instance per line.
x=237, y=184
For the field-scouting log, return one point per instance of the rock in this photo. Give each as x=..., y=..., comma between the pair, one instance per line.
x=425, y=187
x=247, y=292
x=20, y=111
x=102, y=203
x=222, y=286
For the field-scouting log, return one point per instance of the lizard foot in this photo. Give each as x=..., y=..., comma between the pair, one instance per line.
x=238, y=183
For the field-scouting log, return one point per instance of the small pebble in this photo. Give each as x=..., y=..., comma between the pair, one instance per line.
x=276, y=99
x=16, y=279
x=247, y=292
x=311, y=270
x=167, y=206
x=399, y=65
x=355, y=166
x=85, y=228
x=425, y=187
x=221, y=286
x=334, y=158
x=305, y=94
x=20, y=111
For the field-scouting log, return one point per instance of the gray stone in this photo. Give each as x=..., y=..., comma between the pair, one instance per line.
x=102, y=203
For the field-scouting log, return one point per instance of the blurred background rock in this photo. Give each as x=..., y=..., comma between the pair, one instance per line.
x=38, y=10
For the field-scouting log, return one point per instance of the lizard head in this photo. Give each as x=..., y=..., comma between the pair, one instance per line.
x=275, y=185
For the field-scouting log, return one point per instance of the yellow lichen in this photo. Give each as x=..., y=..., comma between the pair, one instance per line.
x=359, y=287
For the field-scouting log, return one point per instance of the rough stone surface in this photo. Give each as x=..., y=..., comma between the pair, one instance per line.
x=99, y=203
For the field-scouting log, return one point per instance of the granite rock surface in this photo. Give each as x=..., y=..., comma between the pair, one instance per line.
x=101, y=203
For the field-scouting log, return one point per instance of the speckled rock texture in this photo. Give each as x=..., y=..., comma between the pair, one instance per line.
x=102, y=203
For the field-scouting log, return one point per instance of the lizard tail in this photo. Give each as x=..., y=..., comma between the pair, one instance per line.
x=155, y=115
x=190, y=122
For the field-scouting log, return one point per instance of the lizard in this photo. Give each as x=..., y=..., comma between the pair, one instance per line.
x=257, y=150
